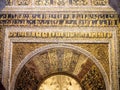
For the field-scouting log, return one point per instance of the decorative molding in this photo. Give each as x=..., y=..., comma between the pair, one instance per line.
x=58, y=2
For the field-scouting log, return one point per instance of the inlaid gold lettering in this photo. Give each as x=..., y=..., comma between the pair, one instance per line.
x=62, y=34
x=38, y=34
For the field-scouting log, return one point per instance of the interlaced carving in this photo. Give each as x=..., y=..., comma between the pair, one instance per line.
x=23, y=2
x=79, y=2
x=42, y=2
x=99, y=2
x=60, y=2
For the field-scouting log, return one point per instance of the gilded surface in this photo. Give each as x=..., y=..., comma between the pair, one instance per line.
x=92, y=80
x=100, y=51
x=40, y=66
x=67, y=58
x=53, y=59
x=61, y=35
x=20, y=50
